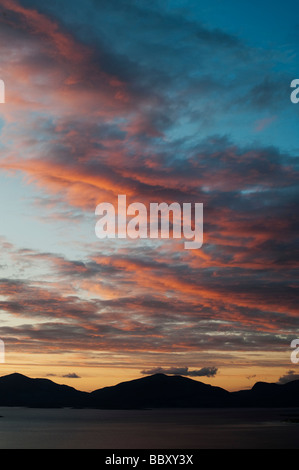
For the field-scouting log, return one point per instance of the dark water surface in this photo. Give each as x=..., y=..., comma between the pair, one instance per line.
x=22, y=428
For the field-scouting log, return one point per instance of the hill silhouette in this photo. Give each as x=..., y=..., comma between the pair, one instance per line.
x=156, y=391
x=19, y=390
x=160, y=391
x=267, y=395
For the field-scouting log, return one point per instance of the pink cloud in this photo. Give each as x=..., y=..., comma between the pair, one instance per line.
x=263, y=124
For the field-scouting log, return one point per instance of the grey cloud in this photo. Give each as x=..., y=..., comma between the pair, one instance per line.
x=288, y=377
x=71, y=376
x=204, y=372
x=67, y=376
x=268, y=94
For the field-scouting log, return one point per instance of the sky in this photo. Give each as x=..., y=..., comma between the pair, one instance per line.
x=182, y=101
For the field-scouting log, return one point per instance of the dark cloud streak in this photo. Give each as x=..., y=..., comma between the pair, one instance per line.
x=204, y=372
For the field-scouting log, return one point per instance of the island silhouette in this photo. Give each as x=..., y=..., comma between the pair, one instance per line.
x=155, y=391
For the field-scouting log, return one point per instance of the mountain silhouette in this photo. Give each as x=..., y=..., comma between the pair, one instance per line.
x=156, y=391
x=19, y=390
x=269, y=395
x=160, y=391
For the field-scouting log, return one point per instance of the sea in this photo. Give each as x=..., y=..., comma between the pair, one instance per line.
x=65, y=428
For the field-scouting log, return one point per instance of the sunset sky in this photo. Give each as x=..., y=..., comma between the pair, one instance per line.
x=161, y=101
